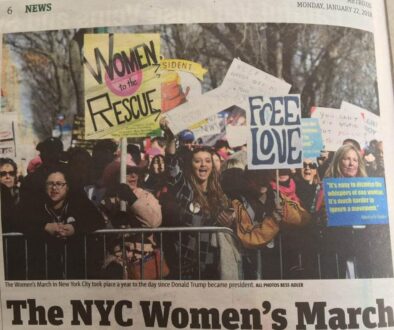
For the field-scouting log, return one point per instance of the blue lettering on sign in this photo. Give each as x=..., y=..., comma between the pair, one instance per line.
x=275, y=125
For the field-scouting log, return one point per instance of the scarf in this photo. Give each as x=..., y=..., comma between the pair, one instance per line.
x=289, y=190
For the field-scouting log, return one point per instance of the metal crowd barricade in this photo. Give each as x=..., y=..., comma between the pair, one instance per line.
x=103, y=236
x=20, y=237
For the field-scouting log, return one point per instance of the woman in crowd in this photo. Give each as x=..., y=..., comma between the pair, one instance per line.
x=9, y=201
x=255, y=220
x=349, y=251
x=310, y=192
x=199, y=200
x=346, y=163
x=217, y=161
x=9, y=194
x=140, y=209
x=287, y=186
x=59, y=221
x=308, y=186
x=294, y=236
x=156, y=179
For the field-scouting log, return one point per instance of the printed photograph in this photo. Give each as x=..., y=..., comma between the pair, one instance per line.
x=248, y=151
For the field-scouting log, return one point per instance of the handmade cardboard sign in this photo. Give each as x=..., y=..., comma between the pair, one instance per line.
x=275, y=139
x=7, y=135
x=338, y=125
x=371, y=122
x=241, y=81
x=209, y=126
x=122, y=87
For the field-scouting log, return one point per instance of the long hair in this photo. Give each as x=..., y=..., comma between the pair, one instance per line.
x=334, y=170
x=153, y=161
x=214, y=201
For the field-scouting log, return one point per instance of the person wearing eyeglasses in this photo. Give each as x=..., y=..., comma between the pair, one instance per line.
x=9, y=193
x=60, y=222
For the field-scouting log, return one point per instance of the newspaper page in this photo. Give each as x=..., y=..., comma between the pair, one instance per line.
x=196, y=165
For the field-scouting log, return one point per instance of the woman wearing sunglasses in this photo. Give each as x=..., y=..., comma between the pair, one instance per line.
x=9, y=193
x=9, y=202
x=309, y=188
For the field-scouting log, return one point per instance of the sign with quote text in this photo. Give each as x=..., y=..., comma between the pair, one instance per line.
x=355, y=201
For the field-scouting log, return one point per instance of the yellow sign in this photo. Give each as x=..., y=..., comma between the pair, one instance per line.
x=122, y=85
x=183, y=65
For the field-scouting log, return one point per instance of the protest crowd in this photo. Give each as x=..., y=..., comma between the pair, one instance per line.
x=278, y=218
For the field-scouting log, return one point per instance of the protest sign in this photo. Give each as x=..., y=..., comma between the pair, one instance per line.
x=371, y=122
x=312, y=141
x=210, y=126
x=285, y=280
x=243, y=80
x=189, y=113
x=236, y=135
x=122, y=87
x=7, y=135
x=355, y=201
x=183, y=65
x=274, y=140
x=78, y=133
x=338, y=125
x=178, y=88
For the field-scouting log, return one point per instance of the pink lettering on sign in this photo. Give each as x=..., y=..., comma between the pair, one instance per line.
x=123, y=83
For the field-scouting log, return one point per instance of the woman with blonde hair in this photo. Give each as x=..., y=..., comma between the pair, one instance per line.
x=350, y=250
x=347, y=163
